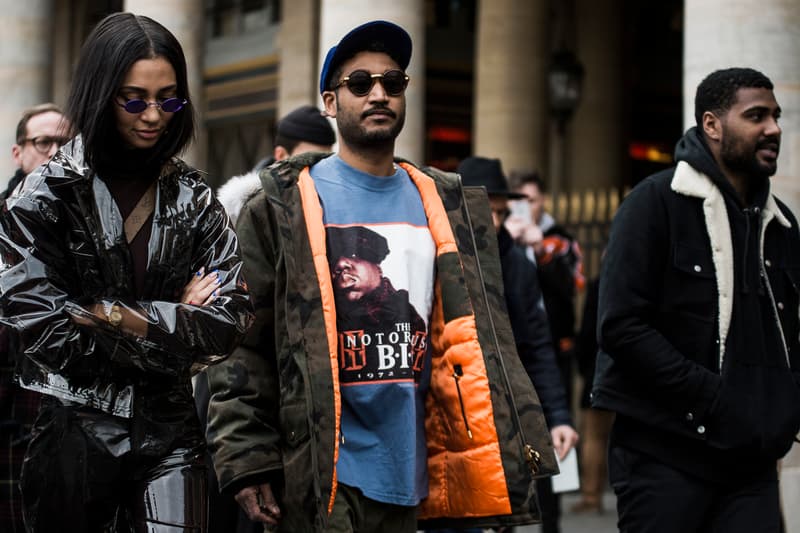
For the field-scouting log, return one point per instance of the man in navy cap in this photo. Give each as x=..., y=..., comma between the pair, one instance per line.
x=359, y=403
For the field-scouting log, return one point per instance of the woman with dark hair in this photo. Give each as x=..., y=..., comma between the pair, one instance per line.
x=120, y=278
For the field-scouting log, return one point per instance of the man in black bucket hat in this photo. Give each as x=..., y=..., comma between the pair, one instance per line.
x=528, y=321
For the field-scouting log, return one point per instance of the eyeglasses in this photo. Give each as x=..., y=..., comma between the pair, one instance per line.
x=360, y=82
x=43, y=143
x=170, y=105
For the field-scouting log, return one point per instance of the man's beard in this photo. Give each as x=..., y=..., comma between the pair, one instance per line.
x=354, y=134
x=740, y=158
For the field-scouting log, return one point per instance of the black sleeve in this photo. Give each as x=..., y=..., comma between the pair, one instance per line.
x=531, y=329
x=630, y=291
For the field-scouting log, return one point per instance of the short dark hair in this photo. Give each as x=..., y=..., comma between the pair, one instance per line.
x=114, y=45
x=28, y=114
x=518, y=178
x=717, y=92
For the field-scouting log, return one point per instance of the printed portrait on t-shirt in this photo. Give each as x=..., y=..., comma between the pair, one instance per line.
x=382, y=335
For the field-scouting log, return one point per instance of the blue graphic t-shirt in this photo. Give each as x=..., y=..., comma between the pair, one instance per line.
x=381, y=256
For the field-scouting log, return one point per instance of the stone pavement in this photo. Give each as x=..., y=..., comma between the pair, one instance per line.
x=582, y=522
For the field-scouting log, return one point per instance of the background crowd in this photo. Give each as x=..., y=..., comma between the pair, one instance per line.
x=307, y=347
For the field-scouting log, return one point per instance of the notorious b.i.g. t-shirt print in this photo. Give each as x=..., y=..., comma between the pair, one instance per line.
x=382, y=337
x=382, y=262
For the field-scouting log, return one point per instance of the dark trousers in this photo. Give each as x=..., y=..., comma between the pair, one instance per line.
x=549, y=501
x=655, y=498
x=549, y=505
x=352, y=511
x=80, y=475
x=11, y=455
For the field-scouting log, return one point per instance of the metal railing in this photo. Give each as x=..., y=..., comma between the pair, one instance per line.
x=587, y=215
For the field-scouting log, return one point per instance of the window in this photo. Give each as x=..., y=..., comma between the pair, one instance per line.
x=233, y=17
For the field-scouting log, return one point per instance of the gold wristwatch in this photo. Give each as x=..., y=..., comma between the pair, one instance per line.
x=114, y=315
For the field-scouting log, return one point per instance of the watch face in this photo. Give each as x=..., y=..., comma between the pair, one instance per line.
x=115, y=317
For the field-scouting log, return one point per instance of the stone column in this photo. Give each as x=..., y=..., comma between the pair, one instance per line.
x=298, y=41
x=67, y=40
x=762, y=34
x=186, y=20
x=25, y=47
x=597, y=148
x=725, y=33
x=340, y=16
x=510, y=114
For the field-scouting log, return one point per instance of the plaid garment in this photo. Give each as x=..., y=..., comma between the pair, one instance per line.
x=18, y=410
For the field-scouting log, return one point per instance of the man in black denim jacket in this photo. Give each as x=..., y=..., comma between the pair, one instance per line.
x=698, y=325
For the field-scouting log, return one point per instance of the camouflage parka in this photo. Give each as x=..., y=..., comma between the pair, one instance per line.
x=275, y=403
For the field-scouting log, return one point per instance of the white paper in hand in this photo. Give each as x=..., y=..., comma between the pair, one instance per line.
x=568, y=479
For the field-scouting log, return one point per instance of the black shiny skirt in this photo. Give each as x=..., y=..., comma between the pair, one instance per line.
x=89, y=471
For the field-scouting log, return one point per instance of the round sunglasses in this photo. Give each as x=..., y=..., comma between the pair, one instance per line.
x=360, y=82
x=170, y=105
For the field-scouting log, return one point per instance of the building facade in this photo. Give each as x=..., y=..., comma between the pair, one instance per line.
x=483, y=76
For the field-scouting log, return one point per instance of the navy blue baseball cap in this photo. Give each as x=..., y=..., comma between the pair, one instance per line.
x=394, y=39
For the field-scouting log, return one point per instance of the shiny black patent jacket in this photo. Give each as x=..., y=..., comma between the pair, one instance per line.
x=63, y=248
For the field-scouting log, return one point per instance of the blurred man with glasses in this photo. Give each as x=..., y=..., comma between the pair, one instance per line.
x=40, y=132
x=338, y=414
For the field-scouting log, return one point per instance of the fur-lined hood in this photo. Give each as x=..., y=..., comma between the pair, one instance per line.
x=236, y=191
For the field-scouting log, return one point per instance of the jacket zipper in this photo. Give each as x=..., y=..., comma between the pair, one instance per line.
x=458, y=372
x=529, y=453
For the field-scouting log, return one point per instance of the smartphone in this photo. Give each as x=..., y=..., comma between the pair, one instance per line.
x=520, y=209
